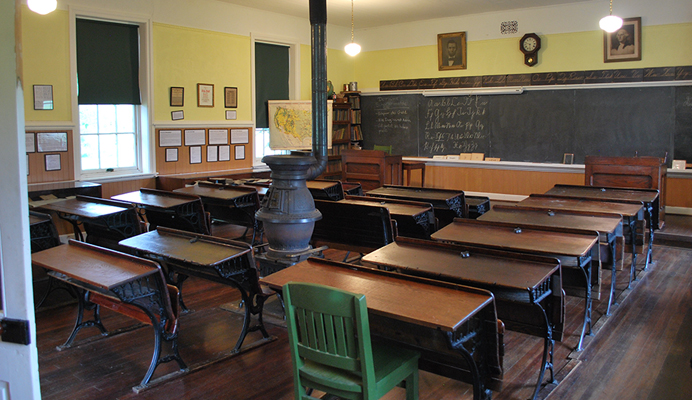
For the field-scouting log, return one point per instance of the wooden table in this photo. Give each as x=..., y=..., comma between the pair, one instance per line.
x=608, y=226
x=232, y=204
x=438, y=319
x=448, y=204
x=169, y=209
x=562, y=243
x=216, y=259
x=112, y=217
x=413, y=218
x=409, y=166
x=649, y=197
x=133, y=281
x=631, y=214
x=527, y=288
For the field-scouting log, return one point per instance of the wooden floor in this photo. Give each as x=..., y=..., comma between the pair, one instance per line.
x=641, y=351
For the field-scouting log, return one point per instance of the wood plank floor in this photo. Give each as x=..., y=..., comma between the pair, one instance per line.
x=641, y=351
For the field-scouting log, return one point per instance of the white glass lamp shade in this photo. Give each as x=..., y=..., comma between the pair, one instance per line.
x=610, y=23
x=42, y=7
x=352, y=49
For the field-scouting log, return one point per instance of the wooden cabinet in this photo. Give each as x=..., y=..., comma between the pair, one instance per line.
x=629, y=172
x=356, y=131
x=371, y=168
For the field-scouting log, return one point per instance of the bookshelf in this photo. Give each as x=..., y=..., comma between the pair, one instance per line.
x=341, y=139
x=353, y=99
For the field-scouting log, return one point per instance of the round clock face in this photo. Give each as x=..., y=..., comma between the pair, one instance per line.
x=529, y=44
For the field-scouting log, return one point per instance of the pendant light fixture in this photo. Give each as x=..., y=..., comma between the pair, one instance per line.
x=610, y=23
x=42, y=7
x=352, y=48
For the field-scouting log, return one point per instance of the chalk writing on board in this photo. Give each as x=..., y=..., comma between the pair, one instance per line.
x=391, y=114
x=455, y=125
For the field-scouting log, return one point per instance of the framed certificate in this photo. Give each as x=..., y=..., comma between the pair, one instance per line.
x=205, y=95
x=177, y=97
x=230, y=98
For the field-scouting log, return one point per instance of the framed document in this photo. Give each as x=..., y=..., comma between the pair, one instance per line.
x=30, y=143
x=240, y=136
x=177, y=115
x=195, y=137
x=231, y=114
x=224, y=153
x=230, y=98
x=205, y=95
x=239, y=152
x=43, y=97
x=49, y=142
x=212, y=153
x=177, y=97
x=196, y=155
x=170, y=138
x=171, y=155
x=218, y=136
x=53, y=162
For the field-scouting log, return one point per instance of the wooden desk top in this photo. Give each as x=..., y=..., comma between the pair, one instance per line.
x=408, y=192
x=321, y=184
x=503, y=237
x=419, y=301
x=602, y=223
x=412, y=164
x=97, y=266
x=483, y=266
x=187, y=247
x=395, y=207
x=629, y=210
x=36, y=219
x=604, y=193
x=156, y=198
x=83, y=207
x=218, y=192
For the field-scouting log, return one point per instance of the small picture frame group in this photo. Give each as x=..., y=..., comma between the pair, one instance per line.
x=625, y=44
x=451, y=51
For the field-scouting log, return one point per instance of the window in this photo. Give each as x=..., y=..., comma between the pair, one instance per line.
x=111, y=107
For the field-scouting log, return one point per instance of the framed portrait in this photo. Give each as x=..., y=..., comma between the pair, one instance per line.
x=230, y=98
x=451, y=51
x=205, y=95
x=625, y=44
x=177, y=97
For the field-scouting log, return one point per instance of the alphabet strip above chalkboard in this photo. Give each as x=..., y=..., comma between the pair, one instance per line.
x=681, y=73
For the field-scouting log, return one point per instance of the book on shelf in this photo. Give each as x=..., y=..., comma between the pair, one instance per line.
x=356, y=133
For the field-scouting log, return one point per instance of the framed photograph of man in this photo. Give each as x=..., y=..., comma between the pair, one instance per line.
x=451, y=51
x=625, y=44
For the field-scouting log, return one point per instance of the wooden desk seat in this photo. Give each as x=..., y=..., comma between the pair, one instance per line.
x=448, y=204
x=125, y=284
x=43, y=235
x=183, y=254
x=353, y=227
x=413, y=218
x=108, y=230
x=172, y=210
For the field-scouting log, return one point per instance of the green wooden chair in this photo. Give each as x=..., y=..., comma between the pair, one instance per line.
x=386, y=149
x=329, y=336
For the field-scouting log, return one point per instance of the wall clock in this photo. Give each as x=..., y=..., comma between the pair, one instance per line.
x=529, y=44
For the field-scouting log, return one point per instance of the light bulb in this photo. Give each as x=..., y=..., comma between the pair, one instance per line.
x=42, y=7
x=610, y=23
x=352, y=49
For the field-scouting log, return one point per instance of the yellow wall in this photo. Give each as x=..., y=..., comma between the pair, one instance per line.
x=580, y=51
x=46, y=52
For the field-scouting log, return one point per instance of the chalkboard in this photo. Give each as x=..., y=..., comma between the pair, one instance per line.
x=537, y=125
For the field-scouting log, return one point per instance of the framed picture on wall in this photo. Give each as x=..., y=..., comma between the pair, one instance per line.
x=177, y=97
x=230, y=98
x=451, y=51
x=205, y=95
x=625, y=44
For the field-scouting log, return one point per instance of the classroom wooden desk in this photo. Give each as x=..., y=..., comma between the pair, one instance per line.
x=232, y=204
x=631, y=214
x=39, y=191
x=216, y=259
x=440, y=320
x=173, y=210
x=563, y=243
x=527, y=288
x=98, y=216
x=413, y=218
x=409, y=166
x=320, y=190
x=448, y=204
x=42, y=232
x=649, y=197
x=476, y=205
x=124, y=279
x=608, y=226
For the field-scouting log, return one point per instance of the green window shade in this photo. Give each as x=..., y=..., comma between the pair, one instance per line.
x=107, y=62
x=271, y=78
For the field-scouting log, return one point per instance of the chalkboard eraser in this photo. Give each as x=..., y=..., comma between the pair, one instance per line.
x=492, y=159
x=453, y=157
x=477, y=156
x=465, y=156
x=439, y=157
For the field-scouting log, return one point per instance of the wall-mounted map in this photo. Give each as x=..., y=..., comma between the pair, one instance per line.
x=290, y=124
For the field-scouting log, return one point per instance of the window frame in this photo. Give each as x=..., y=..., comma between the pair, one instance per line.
x=294, y=87
x=143, y=112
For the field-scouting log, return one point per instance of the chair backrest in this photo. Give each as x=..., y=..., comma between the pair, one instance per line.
x=329, y=327
x=187, y=217
x=42, y=231
x=386, y=149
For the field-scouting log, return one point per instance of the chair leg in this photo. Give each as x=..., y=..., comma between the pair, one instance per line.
x=412, y=386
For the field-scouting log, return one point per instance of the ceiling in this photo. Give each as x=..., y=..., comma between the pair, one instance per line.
x=374, y=13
